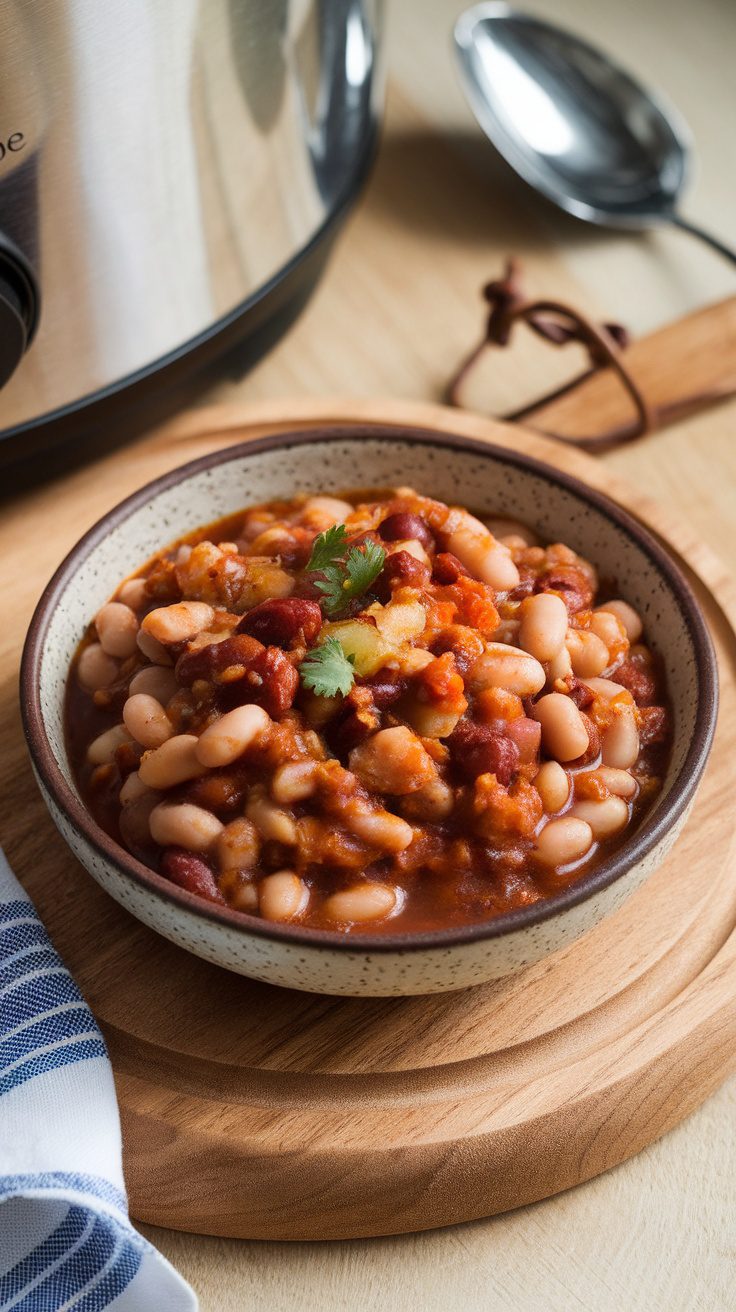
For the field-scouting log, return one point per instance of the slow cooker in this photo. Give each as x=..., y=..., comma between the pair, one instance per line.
x=172, y=173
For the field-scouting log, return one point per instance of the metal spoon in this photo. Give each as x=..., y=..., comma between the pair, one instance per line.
x=573, y=124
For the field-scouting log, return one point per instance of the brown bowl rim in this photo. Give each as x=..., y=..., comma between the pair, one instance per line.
x=653, y=829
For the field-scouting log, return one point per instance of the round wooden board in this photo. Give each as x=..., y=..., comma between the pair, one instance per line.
x=256, y=1112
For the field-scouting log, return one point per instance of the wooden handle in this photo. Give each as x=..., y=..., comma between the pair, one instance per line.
x=691, y=360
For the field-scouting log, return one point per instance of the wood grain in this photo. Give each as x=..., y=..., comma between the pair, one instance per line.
x=688, y=363
x=253, y=1111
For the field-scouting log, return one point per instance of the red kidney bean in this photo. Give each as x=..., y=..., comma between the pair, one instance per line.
x=360, y=716
x=306, y=588
x=527, y=734
x=385, y=688
x=190, y=872
x=244, y=671
x=218, y=659
x=269, y=680
x=635, y=675
x=653, y=725
x=580, y=693
x=447, y=568
x=279, y=622
x=524, y=588
x=402, y=526
x=403, y=570
x=573, y=585
x=480, y=749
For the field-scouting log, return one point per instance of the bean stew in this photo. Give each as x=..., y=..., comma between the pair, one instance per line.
x=372, y=712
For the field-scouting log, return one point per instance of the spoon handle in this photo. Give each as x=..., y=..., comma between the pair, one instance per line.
x=707, y=237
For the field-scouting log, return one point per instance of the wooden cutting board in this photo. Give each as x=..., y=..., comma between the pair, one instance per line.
x=257, y=1112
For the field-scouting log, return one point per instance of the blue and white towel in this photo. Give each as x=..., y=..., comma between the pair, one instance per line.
x=66, y=1241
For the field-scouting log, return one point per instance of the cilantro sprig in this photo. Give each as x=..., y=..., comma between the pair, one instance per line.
x=345, y=574
x=327, y=670
x=328, y=547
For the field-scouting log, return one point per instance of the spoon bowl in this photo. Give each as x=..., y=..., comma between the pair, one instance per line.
x=572, y=123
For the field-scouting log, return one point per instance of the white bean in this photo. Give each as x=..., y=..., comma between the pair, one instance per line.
x=102, y=750
x=610, y=629
x=179, y=622
x=133, y=593
x=627, y=615
x=146, y=720
x=238, y=846
x=410, y=660
x=607, y=689
x=360, y=903
x=510, y=528
x=133, y=821
x=294, y=782
x=134, y=789
x=479, y=552
x=564, y=735
x=271, y=821
x=172, y=763
x=232, y=734
x=507, y=632
x=588, y=654
x=433, y=801
x=152, y=649
x=553, y=785
x=282, y=896
x=564, y=840
x=543, y=625
x=560, y=667
x=381, y=829
x=184, y=825
x=240, y=893
x=605, y=817
x=618, y=782
x=620, y=739
x=392, y=761
x=117, y=628
x=156, y=680
x=412, y=547
x=328, y=510
x=95, y=668
x=502, y=666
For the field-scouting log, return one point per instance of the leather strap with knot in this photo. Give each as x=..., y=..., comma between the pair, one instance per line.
x=558, y=324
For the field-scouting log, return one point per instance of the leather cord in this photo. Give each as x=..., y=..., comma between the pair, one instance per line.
x=558, y=324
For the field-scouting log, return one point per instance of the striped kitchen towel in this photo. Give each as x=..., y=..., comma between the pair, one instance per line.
x=66, y=1241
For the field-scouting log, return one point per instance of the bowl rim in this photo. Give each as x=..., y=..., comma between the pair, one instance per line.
x=653, y=829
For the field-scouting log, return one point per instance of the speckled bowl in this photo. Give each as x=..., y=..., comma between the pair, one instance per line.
x=456, y=469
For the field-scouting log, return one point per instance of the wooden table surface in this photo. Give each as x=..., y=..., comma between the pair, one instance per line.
x=397, y=307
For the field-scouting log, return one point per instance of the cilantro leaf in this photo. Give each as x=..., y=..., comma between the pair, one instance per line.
x=327, y=670
x=328, y=547
x=363, y=565
x=332, y=588
x=346, y=574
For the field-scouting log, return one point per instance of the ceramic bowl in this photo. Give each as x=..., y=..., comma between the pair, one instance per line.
x=484, y=477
